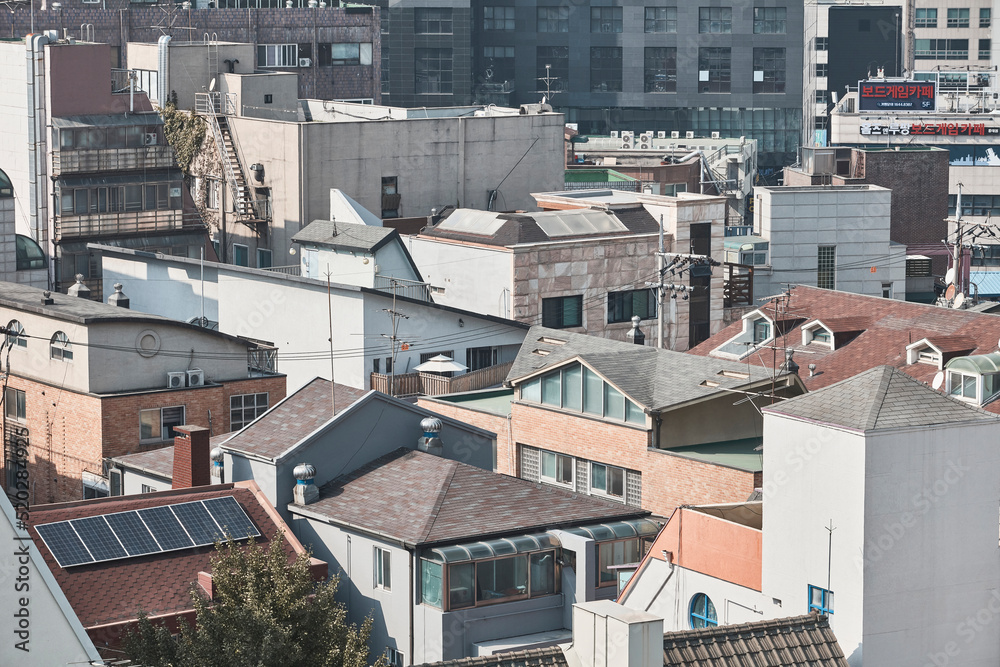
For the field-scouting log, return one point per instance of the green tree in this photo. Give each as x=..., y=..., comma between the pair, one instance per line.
x=266, y=612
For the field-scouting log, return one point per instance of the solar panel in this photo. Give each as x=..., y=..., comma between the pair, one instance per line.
x=165, y=528
x=231, y=518
x=64, y=544
x=132, y=533
x=99, y=539
x=198, y=523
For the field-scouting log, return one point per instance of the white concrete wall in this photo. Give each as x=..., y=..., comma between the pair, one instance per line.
x=478, y=278
x=133, y=480
x=14, y=125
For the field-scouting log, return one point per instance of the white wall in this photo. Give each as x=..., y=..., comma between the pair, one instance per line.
x=14, y=125
x=132, y=481
x=474, y=277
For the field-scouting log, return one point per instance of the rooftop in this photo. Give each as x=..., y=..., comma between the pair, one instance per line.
x=744, y=454
x=494, y=401
x=449, y=501
x=345, y=235
x=160, y=462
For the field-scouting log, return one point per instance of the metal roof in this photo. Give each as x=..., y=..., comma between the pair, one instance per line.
x=472, y=221
x=578, y=223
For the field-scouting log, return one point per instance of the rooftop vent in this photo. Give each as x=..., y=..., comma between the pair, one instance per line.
x=79, y=289
x=430, y=442
x=118, y=298
x=218, y=472
x=47, y=298
x=635, y=334
x=305, y=490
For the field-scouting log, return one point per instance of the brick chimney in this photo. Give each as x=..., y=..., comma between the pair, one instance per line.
x=191, y=460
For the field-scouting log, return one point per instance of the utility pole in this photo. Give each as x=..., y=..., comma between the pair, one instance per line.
x=394, y=316
x=957, y=249
x=329, y=309
x=679, y=263
x=829, y=560
x=659, y=290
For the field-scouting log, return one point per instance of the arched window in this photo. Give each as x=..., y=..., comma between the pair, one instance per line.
x=60, y=347
x=15, y=335
x=703, y=612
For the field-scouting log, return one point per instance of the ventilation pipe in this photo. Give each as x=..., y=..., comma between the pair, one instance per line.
x=118, y=298
x=635, y=335
x=218, y=474
x=305, y=489
x=38, y=197
x=162, y=70
x=79, y=289
x=430, y=442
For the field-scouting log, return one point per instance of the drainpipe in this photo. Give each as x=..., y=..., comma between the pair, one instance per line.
x=38, y=218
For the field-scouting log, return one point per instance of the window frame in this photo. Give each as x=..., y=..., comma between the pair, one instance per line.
x=439, y=81
x=506, y=20
x=826, y=267
x=955, y=18
x=426, y=19
x=778, y=20
x=609, y=469
x=382, y=562
x=603, y=564
x=926, y=17
x=243, y=250
x=446, y=577
x=257, y=411
x=552, y=18
x=705, y=618
x=606, y=19
x=985, y=17
x=19, y=399
x=60, y=348
x=16, y=337
x=771, y=62
x=652, y=20
x=170, y=434
x=653, y=56
x=825, y=603
x=277, y=55
x=717, y=60
x=554, y=480
x=606, y=64
x=620, y=302
x=708, y=17
x=962, y=386
x=560, y=321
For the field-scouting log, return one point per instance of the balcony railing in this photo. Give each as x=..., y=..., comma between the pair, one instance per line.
x=433, y=384
x=130, y=222
x=737, y=288
x=262, y=360
x=291, y=270
x=112, y=159
x=738, y=230
x=402, y=287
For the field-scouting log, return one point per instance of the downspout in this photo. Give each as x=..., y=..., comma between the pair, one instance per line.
x=163, y=70
x=38, y=218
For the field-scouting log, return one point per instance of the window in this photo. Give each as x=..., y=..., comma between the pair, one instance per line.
x=557, y=468
x=390, y=198
x=576, y=387
x=886, y=290
x=822, y=97
x=620, y=552
x=345, y=54
x=703, y=612
x=761, y=331
x=263, y=258
x=244, y=408
x=984, y=17
x=15, y=335
x=432, y=21
x=277, y=55
x=394, y=657
x=212, y=193
x=715, y=20
x=605, y=69
x=963, y=385
x=382, y=569
x=714, y=69
x=661, y=69
x=821, y=600
x=661, y=19
x=489, y=581
x=15, y=404
x=60, y=348
x=94, y=488
x=605, y=19
x=769, y=20
x=157, y=424
x=958, y=18
x=562, y=312
x=499, y=61
x=433, y=71
x=431, y=583
x=146, y=488
x=498, y=18
x=241, y=255
x=623, y=306
x=607, y=480
x=768, y=70
x=926, y=18
x=985, y=47
x=822, y=43
x=822, y=69
x=553, y=19
x=502, y=579
x=826, y=269
x=557, y=58
x=941, y=49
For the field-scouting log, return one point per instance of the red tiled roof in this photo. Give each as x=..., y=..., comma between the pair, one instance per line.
x=953, y=343
x=113, y=592
x=293, y=419
x=845, y=324
x=891, y=326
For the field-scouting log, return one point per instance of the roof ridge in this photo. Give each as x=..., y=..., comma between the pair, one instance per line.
x=878, y=399
x=432, y=516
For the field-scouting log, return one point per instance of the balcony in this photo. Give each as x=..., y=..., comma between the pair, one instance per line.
x=434, y=384
x=112, y=159
x=411, y=289
x=126, y=223
x=737, y=286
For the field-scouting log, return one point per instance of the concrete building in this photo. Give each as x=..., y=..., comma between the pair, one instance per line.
x=834, y=237
x=22, y=260
x=87, y=381
x=88, y=159
x=913, y=467
x=294, y=312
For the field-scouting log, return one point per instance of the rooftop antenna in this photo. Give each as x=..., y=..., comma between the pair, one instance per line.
x=329, y=309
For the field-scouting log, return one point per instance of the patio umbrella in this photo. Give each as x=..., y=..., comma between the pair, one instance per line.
x=440, y=364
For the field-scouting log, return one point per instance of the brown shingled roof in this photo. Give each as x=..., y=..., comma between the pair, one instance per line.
x=892, y=325
x=448, y=501
x=112, y=592
x=535, y=657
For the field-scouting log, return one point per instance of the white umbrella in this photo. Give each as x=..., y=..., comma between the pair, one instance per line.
x=440, y=364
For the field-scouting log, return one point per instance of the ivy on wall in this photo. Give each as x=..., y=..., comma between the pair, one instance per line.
x=184, y=131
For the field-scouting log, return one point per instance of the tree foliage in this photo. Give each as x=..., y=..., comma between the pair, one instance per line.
x=266, y=612
x=184, y=132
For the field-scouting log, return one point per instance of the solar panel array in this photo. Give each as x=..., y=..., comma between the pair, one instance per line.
x=152, y=530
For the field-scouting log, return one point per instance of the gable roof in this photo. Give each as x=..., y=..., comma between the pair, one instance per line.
x=881, y=398
x=112, y=592
x=449, y=501
x=345, y=235
x=892, y=326
x=652, y=377
x=343, y=207
x=798, y=641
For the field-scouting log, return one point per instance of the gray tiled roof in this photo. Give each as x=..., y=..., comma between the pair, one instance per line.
x=159, y=462
x=881, y=398
x=345, y=235
x=450, y=501
x=653, y=378
x=536, y=657
x=799, y=641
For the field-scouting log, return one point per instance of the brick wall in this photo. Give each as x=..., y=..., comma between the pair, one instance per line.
x=71, y=432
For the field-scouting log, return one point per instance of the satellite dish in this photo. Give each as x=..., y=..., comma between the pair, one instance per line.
x=949, y=276
x=950, y=292
x=938, y=380
x=211, y=89
x=959, y=300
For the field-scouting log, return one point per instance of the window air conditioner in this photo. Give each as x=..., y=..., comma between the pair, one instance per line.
x=716, y=135
x=661, y=135
x=614, y=134
x=196, y=378
x=675, y=135
x=305, y=62
x=175, y=380
x=689, y=135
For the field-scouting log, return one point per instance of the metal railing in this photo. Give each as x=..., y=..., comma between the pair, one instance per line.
x=112, y=159
x=122, y=81
x=738, y=230
x=262, y=359
x=737, y=288
x=127, y=222
x=215, y=103
x=292, y=270
x=401, y=287
x=433, y=384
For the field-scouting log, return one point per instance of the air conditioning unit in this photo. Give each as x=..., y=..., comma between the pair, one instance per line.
x=149, y=139
x=675, y=135
x=716, y=135
x=626, y=145
x=661, y=135
x=644, y=144
x=689, y=135
x=614, y=134
x=196, y=378
x=176, y=380
x=305, y=62
x=646, y=137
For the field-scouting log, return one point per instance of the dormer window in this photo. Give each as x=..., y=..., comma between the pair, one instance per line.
x=758, y=330
x=939, y=350
x=579, y=389
x=975, y=378
x=761, y=331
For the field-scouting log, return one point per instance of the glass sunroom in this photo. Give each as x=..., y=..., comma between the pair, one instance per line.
x=975, y=378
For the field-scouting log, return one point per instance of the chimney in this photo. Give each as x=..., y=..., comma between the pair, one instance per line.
x=79, y=289
x=118, y=298
x=218, y=472
x=606, y=634
x=305, y=490
x=635, y=335
x=47, y=299
x=430, y=442
x=191, y=457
